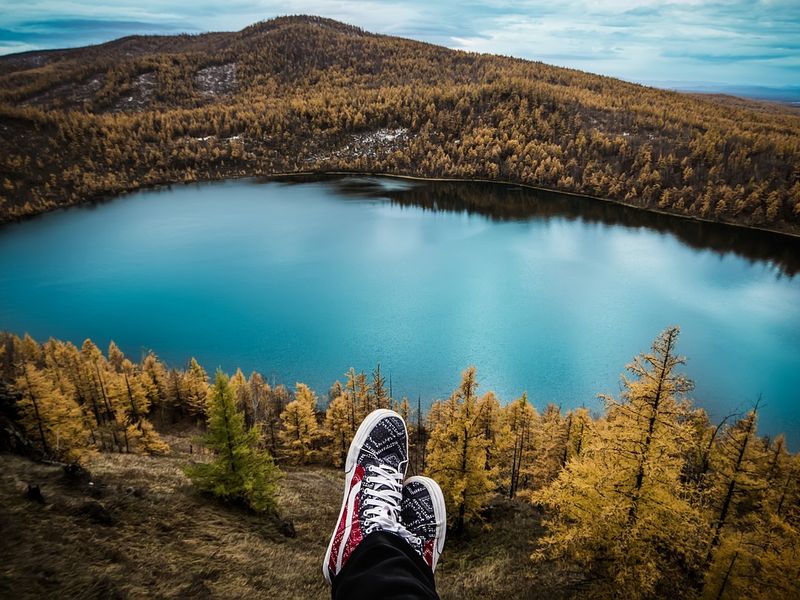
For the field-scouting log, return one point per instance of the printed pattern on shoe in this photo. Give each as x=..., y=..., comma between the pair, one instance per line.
x=387, y=442
x=376, y=466
x=423, y=515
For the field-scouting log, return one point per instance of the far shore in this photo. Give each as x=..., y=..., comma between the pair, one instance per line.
x=4, y=217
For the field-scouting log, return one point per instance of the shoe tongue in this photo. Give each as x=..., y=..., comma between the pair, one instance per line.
x=386, y=469
x=389, y=462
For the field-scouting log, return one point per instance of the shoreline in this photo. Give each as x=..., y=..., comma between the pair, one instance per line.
x=339, y=173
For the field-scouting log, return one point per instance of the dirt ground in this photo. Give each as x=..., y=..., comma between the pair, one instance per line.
x=135, y=528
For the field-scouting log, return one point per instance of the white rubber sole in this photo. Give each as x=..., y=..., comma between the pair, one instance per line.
x=349, y=470
x=439, y=511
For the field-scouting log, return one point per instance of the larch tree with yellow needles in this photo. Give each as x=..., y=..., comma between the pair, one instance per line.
x=51, y=418
x=620, y=508
x=300, y=424
x=339, y=428
x=457, y=453
x=520, y=419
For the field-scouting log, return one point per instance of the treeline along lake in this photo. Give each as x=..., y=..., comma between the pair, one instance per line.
x=303, y=279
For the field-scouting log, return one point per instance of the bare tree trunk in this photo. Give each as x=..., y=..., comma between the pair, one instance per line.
x=36, y=410
x=727, y=575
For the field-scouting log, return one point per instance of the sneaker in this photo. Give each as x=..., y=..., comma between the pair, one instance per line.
x=374, y=471
x=423, y=514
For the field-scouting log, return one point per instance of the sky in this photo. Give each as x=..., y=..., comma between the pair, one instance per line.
x=733, y=43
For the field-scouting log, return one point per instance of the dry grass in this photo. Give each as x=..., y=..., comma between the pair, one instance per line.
x=140, y=530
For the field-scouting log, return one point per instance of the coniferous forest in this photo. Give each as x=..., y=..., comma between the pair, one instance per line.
x=646, y=497
x=306, y=94
x=127, y=476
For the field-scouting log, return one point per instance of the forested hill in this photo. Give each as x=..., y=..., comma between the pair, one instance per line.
x=311, y=94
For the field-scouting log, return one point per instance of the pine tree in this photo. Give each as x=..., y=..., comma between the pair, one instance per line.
x=96, y=372
x=364, y=401
x=380, y=396
x=136, y=406
x=705, y=437
x=337, y=426
x=135, y=392
x=259, y=392
x=196, y=390
x=620, y=508
x=738, y=478
x=494, y=431
x=358, y=392
x=300, y=424
x=550, y=441
x=351, y=394
x=156, y=384
x=774, y=571
x=404, y=410
x=71, y=363
x=241, y=392
x=178, y=394
x=115, y=356
x=520, y=421
x=277, y=398
x=420, y=434
x=755, y=549
x=580, y=428
x=50, y=418
x=457, y=451
x=28, y=350
x=240, y=472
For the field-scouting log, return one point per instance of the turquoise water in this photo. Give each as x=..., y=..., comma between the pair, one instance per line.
x=547, y=294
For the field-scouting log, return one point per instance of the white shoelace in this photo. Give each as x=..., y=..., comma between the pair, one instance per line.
x=383, y=496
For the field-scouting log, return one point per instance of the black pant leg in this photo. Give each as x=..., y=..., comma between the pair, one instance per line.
x=384, y=566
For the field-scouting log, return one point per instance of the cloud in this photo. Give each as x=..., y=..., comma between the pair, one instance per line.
x=744, y=42
x=752, y=42
x=70, y=31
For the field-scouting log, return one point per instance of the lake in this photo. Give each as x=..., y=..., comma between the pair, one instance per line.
x=541, y=292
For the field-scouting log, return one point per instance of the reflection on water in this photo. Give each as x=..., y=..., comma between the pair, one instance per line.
x=542, y=292
x=502, y=202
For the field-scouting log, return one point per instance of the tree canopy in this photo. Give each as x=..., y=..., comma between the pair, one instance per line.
x=299, y=94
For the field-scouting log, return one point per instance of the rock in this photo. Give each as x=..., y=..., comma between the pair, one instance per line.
x=285, y=527
x=34, y=493
x=76, y=474
x=134, y=491
x=94, y=490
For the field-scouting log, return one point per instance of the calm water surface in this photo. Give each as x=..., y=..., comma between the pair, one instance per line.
x=542, y=293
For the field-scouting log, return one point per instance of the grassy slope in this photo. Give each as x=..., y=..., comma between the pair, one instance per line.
x=165, y=540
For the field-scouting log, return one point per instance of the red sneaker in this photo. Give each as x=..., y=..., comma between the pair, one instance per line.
x=374, y=471
x=423, y=514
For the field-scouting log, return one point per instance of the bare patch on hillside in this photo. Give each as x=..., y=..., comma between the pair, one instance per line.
x=372, y=144
x=216, y=80
x=139, y=94
x=69, y=94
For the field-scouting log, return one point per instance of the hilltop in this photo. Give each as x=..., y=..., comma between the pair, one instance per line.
x=307, y=94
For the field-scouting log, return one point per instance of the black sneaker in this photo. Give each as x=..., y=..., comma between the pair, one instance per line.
x=423, y=514
x=374, y=471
